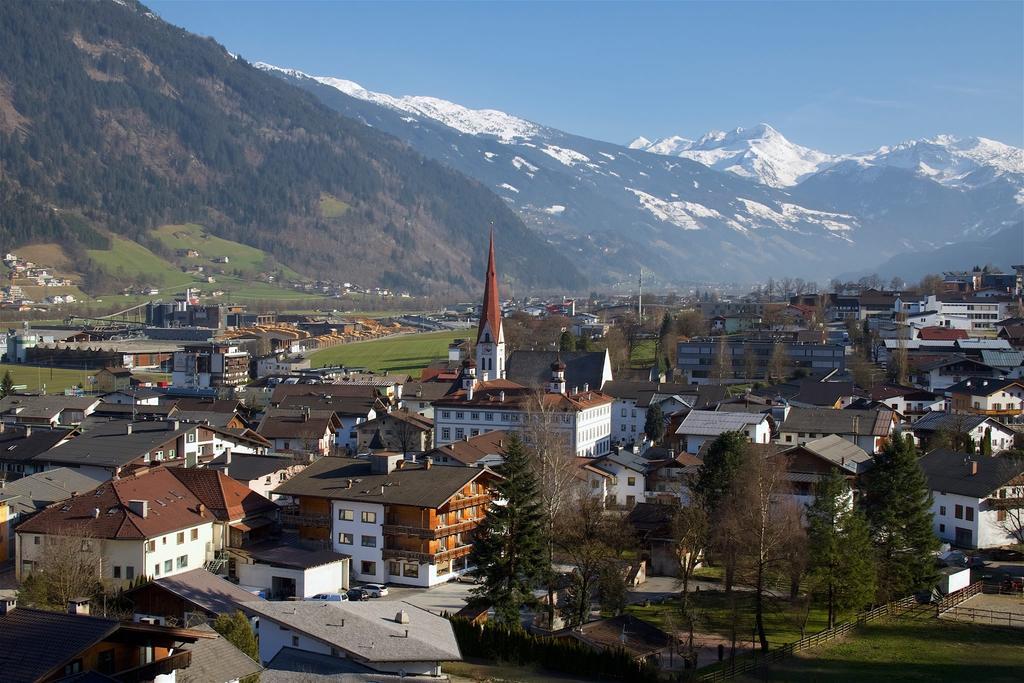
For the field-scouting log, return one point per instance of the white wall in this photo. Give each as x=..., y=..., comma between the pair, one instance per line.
x=357, y=528
x=328, y=578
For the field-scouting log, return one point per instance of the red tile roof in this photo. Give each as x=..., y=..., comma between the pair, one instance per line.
x=941, y=334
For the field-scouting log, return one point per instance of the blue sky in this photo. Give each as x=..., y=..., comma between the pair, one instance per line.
x=841, y=77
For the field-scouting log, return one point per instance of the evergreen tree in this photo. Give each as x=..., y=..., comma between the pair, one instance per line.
x=236, y=630
x=6, y=385
x=654, y=425
x=716, y=474
x=567, y=342
x=986, y=442
x=899, y=513
x=841, y=553
x=583, y=343
x=508, y=548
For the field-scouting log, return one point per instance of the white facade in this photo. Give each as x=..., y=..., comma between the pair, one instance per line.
x=124, y=560
x=357, y=530
x=982, y=314
x=969, y=522
x=327, y=578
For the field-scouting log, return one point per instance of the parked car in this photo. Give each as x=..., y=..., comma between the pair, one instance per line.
x=357, y=594
x=330, y=597
x=375, y=590
x=468, y=577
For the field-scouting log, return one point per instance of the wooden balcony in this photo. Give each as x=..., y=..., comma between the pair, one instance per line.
x=1005, y=503
x=306, y=520
x=468, y=501
x=427, y=558
x=431, y=534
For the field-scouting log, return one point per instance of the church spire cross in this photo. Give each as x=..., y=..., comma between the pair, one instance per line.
x=490, y=314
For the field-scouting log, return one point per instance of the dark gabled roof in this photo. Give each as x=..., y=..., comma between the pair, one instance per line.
x=15, y=447
x=983, y=386
x=424, y=391
x=709, y=395
x=830, y=421
x=283, y=391
x=950, y=471
x=651, y=516
x=414, y=420
x=204, y=590
x=935, y=421
x=533, y=368
x=824, y=394
x=246, y=466
x=44, y=406
x=33, y=642
x=470, y=451
x=284, y=554
x=635, y=636
x=282, y=423
x=109, y=444
x=412, y=485
x=207, y=405
x=340, y=405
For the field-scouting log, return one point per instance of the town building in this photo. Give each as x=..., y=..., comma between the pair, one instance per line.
x=400, y=431
x=999, y=398
x=696, y=360
x=400, y=522
x=977, y=501
x=213, y=365
x=934, y=429
x=700, y=426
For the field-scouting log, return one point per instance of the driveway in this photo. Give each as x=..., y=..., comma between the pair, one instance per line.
x=660, y=587
x=448, y=597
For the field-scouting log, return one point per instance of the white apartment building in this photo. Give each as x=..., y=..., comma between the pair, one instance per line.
x=983, y=312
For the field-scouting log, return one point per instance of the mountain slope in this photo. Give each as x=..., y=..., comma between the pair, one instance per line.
x=113, y=121
x=1004, y=249
x=617, y=209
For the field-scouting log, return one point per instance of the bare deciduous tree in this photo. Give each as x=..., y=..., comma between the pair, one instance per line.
x=67, y=567
x=1010, y=505
x=765, y=524
x=691, y=532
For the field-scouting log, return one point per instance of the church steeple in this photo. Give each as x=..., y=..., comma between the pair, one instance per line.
x=490, y=338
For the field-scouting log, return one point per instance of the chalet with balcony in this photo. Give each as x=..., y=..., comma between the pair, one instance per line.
x=400, y=522
x=999, y=398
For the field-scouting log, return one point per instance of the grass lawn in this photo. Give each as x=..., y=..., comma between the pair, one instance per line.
x=643, y=354
x=480, y=671
x=332, y=207
x=911, y=650
x=408, y=353
x=713, y=612
x=131, y=259
x=55, y=379
x=249, y=260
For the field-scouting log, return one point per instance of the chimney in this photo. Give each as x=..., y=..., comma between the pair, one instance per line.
x=227, y=459
x=78, y=606
x=95, y=513
x=7, y=605
x=201, y=509
x=128, y=428
x=28, y=432
x=427, y=462
x=469, y=392
x=501, y=396
x=139, y=507
x=974, y=467
x=348, y=483
x=2, y=427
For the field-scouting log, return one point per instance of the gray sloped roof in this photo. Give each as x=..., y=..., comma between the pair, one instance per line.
x=33, y=642
x=367, y=630
x=36, y=491
x=216, y=660
x=840, y=452
x=248, y=466
x=935, y=421
x=206, y=590
x=831, y=421
x=713, y=423
x=110, y=445
x=291, y=665
x=533, y=368
x=950, y=471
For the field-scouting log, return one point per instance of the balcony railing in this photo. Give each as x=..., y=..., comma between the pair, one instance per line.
x=468, y=501
x=428, y=558
x=1005, y=503
x=305, y=519
x=432, y=534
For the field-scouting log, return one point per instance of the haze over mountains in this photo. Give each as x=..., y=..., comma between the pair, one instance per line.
x=740, y=205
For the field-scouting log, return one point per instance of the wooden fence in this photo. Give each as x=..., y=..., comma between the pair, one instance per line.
x=736, y=667
x=985, y=616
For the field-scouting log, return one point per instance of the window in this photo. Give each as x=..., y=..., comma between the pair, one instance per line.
x=970, y=514
x=73, y=667
x=369, y=517
x=168, y=565
x=295, y=641
x=446, y=413
x=959, y=512
x=474, y=432
x=191, y=438
x=1001, y=515
x=345, y=539
x=411, y=570
x=630, y=501
x=367, y=567
x=942, y=528
x=594, y=483
x=446, y=434
x=489, y=417
x=156, y=569
x=194, y=535
x=345, y=515
x=129, y=572
x=159, y=455
x=789, y=438
x=181, y=537
x=459, y=433
x=942, y=510
x=182, y=561
x=630, y=481
x=459, y=415
x=395, y=568
x=369, y=541
x=117, y=571
x=151, y=547
x=35, y=540
x=105, y=662
x=474, y=416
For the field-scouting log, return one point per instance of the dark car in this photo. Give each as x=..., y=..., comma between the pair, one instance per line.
x=357, y=594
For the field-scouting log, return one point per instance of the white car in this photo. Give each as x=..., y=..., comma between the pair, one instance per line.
x=329, y=597
x=375, y=590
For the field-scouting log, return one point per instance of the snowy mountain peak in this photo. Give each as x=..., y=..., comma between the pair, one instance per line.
x=759, y=153
x=640, y=143
x=503, y=126
x=949, y=159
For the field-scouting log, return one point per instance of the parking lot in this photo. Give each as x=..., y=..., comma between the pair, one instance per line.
x=449, y=597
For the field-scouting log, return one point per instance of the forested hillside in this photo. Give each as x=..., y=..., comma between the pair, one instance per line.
x=113, y=121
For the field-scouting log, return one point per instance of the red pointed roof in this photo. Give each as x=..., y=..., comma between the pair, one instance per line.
x=491, y=311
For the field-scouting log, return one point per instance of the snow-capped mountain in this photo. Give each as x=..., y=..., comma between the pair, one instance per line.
x=760, y=153
x=737, y=212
